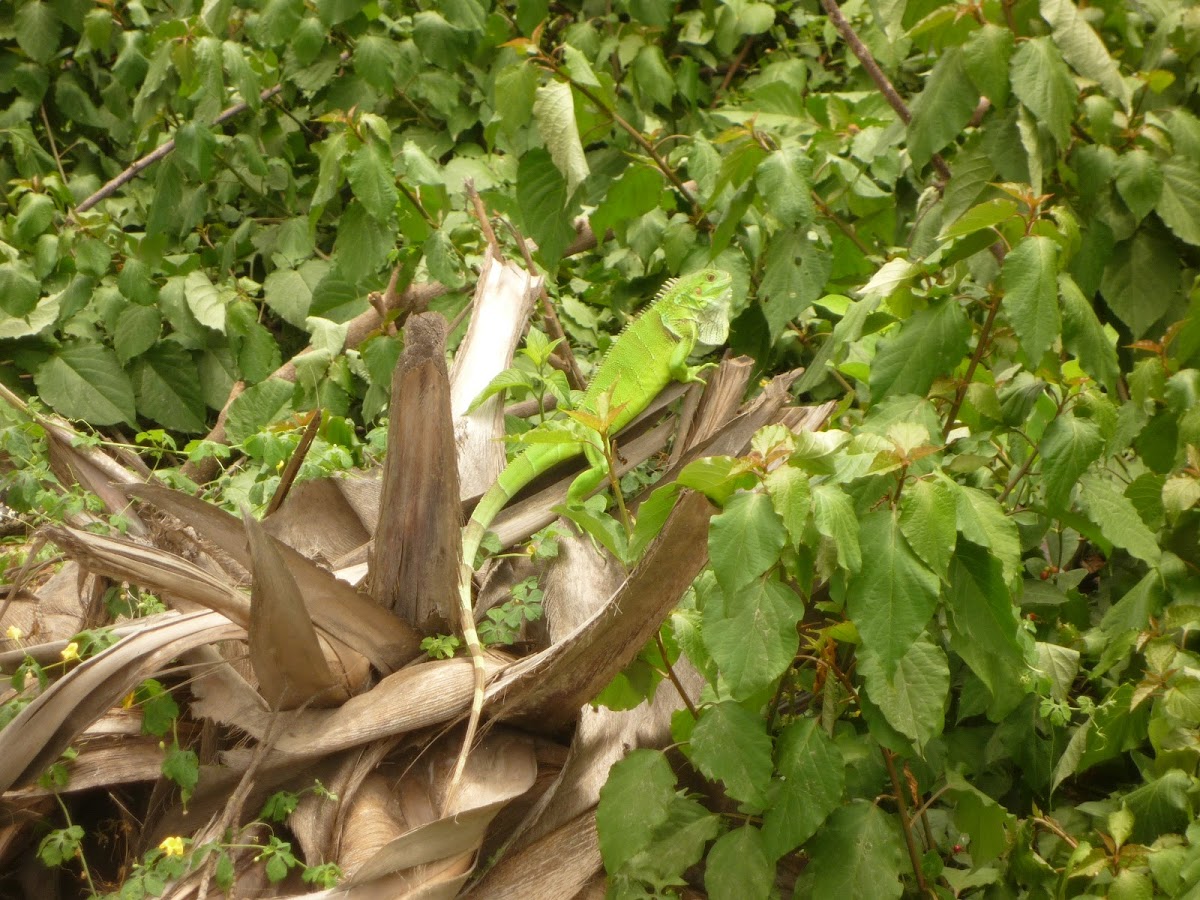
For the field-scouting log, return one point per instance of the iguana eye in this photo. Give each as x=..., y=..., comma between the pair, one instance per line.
x=712, y=277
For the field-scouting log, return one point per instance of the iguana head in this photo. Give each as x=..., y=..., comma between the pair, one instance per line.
x=705, y=295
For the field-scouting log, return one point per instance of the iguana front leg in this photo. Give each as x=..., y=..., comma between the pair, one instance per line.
x=677, y=364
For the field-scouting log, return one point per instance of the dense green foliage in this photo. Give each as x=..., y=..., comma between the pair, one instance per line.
x=951, y=643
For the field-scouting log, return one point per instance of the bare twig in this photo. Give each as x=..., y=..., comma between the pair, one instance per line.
x=733, y=67
x=161, y=152
x=53, y=145
x=981, y=346
x=905, y=821
x=485, y=224
x=570, y=366
x=639, y=139
x=294, y=461
x=881, y=80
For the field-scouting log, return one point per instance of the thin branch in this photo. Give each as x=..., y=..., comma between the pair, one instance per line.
x=485, y=224
x=734, y=66
x=294, y=462
x=639, y=138
x=683, y=695
x=985, y=336
x=570, y=366
x=905, y=821
x=53, y=146
x=161, y=152
x=881, y=80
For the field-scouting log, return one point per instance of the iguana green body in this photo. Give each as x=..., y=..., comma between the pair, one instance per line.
x=648, y=355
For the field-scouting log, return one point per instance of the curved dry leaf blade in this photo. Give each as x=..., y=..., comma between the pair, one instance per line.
x=284, y=649
x=335, y=607
x=41, y=731
x=500, y=769
x=557, y=865
x=165, y=574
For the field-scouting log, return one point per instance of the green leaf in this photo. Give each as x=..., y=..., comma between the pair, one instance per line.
x=196, y=146
x=137, y=331
x=678, y=844
x=439, y=41
x=835, y=518
x=1118, y=519
x=288, y=294
x=744, y=540
x=375, y=59
x=362, y=247
x=857, y=853
x=1139, y=181
x=1083, y=49
x=1179, y=205
x=914, y=699
x=982, y=521
x=554, y=113
x=34, y=215
x=205, y=301
x=1141, y=279
x=372, y=177
x=531, y=13
x=257, y=407
x=159, y=709
x=257, y=351
x=61, y=845
x=652, y=77
x=941, y=111
x=634, y=801
x=19, y=289
x=651, y=515
x=542, y=199
x=1043, y=83
x=812, y=776
x=783, y=182
x=1161, y=807
x=1030, y=276
x=443, y=260
x=788, y=489
x=986, y=55
x=731, y=745
x=37, y=30
x=1069, y=446
x=927, y=518
x=635, y=193
x=981, y=817
x=1133, y=612
x=182, y=767
x=794, y=278
x=929, y=343
x=85, y=381
x=737, y=867
x=752, y=634
x=1083, y=335
x=167, y=387
x=469, y=15
x=986, y=215
x=890, y=600
x=92, y=257
x=516, y=89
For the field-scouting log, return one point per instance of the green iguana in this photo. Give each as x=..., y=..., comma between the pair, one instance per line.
x=651, y=352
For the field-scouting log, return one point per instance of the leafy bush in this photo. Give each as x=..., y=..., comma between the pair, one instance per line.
x=949, y=644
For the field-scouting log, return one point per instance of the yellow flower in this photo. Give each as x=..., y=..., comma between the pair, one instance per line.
x=71, y=651
x=13, y=633
x=172, y=846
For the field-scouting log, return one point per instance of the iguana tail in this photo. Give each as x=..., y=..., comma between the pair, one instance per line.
x=520, y=472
